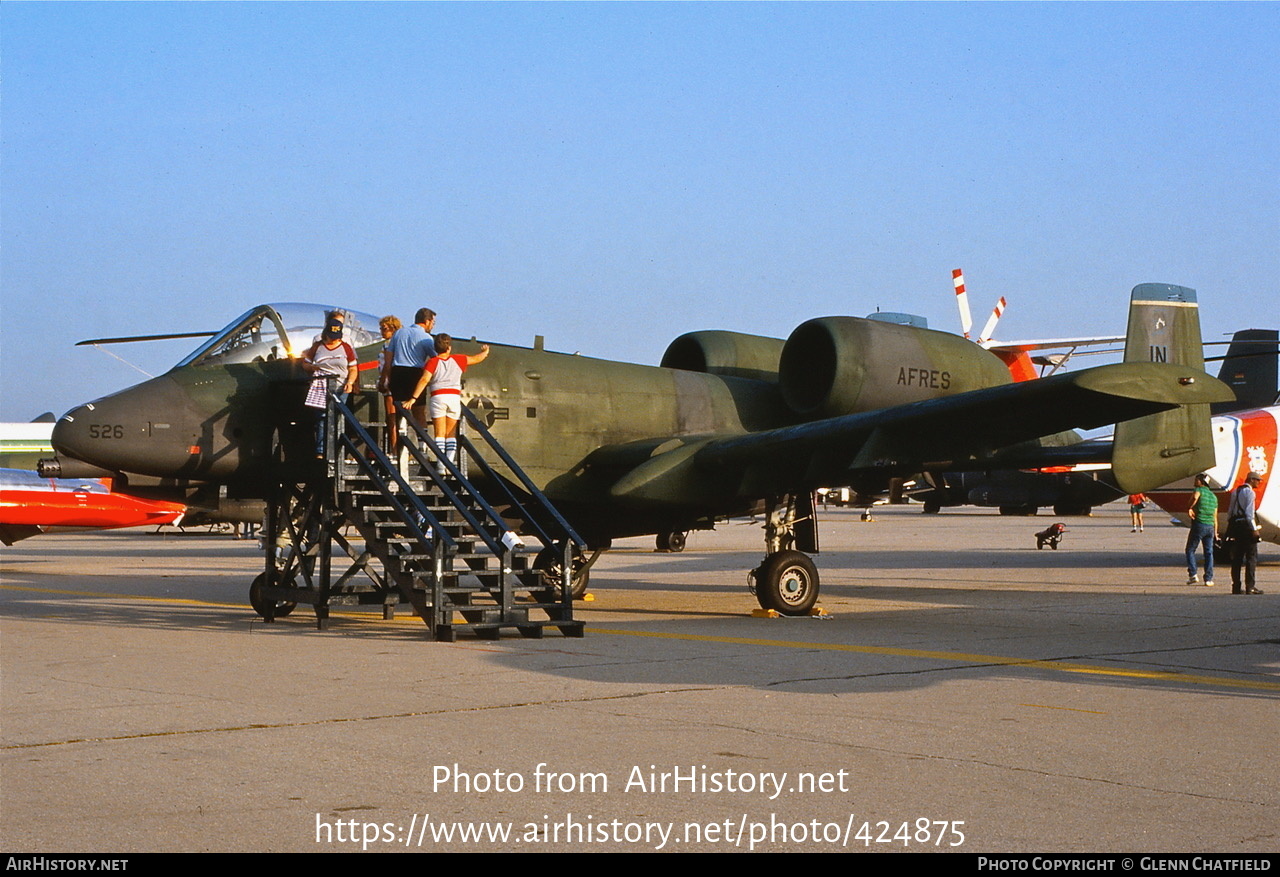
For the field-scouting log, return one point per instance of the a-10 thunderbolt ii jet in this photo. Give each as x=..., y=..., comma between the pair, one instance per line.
x=730, y=424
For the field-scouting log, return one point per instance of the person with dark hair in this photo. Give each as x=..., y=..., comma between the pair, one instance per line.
x=334, y=368
x=1242, y=530
x=1204, y=526
x=1137, y=502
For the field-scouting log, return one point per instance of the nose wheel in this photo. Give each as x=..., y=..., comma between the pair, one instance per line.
x=268, y=609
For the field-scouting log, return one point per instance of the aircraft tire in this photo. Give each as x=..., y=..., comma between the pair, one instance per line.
x=259, y=603
x=672, y=540
x=548, y=562
x=787, y=582
x=1019, y=510
x=1066, y=510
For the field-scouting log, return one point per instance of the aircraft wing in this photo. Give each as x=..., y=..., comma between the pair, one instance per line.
x=933, y=434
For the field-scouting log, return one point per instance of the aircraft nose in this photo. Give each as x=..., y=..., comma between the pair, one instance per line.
x=138, y=430
x=94, y=433
x=69, y=434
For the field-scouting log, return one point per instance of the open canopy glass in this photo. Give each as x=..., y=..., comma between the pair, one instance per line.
x=278, y=331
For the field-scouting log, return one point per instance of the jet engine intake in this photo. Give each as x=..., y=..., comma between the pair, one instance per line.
x=832, y=366
x=733, y=354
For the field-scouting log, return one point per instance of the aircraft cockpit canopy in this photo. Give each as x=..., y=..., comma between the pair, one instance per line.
x=279, y=331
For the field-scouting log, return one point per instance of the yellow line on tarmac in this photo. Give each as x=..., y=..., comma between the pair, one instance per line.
x=964, y=657
x=1060, y=666
x=102, y=595
x=404, y=617
x=187, y=601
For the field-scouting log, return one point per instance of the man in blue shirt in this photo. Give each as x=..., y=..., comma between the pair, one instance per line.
x=410, y=349
x=1243, y=535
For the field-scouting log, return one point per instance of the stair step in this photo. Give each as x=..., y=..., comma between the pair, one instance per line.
x=479, y=591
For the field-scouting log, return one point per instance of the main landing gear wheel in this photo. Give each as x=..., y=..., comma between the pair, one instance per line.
x=1066, y=510
x=787, y=581
x=262, y=606
x=549, y=562
x=672, y=540
x=1024, y=511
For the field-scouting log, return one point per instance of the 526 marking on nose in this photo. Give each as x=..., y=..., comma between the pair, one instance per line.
x=106, y=431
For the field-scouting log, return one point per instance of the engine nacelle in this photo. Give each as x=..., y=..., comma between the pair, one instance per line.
x=733, y=354
x=844, y=365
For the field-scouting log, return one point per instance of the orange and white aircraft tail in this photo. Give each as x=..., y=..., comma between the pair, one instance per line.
x=1243, y=442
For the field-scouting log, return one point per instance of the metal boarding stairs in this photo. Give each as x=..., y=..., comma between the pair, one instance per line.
x=427, y=535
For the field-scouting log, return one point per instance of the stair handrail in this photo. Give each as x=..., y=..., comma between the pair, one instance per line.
x=545, y=504
x=379, y=479
x=500, y=483
x=499, y=548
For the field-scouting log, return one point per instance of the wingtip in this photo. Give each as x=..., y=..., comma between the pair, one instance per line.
x=1155, y=382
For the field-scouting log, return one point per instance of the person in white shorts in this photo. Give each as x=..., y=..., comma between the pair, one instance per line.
x=442, y=378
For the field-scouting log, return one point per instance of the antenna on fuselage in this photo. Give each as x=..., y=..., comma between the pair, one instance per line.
x=128, y=339
x=121, y=358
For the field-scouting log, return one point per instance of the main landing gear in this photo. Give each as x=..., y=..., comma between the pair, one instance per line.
x=671, y=540
x=786, y=580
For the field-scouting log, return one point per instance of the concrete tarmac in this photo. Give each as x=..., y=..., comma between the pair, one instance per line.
x=968, y=693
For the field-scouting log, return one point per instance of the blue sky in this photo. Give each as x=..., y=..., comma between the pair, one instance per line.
x=613, y=175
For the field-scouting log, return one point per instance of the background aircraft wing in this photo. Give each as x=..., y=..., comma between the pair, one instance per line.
x=11, y=533
x=1052, y=343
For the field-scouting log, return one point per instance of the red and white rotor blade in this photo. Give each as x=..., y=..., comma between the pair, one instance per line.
x=990, y=329
x=962, y=300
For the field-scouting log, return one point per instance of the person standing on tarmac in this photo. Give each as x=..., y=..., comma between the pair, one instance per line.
x=1204, y=526
x=1242, y=530
x=1137, y=502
